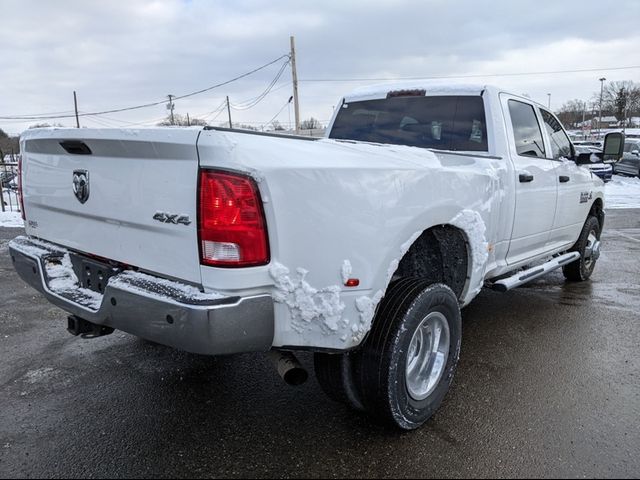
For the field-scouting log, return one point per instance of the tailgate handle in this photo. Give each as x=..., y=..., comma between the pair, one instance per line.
x=564, y=179
x=76, y=147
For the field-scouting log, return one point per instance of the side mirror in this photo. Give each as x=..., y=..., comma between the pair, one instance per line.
x=613, y=146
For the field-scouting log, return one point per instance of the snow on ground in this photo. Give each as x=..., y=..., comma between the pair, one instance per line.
x=622, y=192
x=11, y=217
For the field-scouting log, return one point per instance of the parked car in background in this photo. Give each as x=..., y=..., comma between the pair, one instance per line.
x=629, y=164
x=632, y=146
x=589, y=143
x=602, y=170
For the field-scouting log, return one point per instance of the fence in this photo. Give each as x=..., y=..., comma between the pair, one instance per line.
x=9, y=184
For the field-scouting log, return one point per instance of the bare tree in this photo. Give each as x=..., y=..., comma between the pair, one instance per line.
x=621, y=98
x=181, y=121
x=571, y=113
x=8, y=144
x=45, y=125
x=238, y=126
x=310, y=124
x=243, y=126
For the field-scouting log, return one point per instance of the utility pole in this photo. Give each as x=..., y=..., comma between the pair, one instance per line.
x=75, y=105
x=600, y=115
x=584, y=111
x=188, y=120
x=2, y=189
x=294, y=74
x=229, y=112
x=170, y=108
x=624, y=111
x=549, y=102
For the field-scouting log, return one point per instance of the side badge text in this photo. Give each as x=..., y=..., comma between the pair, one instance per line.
x=175, y=219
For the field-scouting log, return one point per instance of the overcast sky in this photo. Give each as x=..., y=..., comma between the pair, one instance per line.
x=123, y=53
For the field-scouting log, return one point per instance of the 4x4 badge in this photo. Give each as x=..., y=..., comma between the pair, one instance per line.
x=176, y=219
x=81, y=185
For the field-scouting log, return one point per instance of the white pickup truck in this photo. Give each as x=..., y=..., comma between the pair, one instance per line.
x=360, y=247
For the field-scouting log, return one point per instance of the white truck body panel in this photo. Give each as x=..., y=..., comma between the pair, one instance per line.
x=325, y=206
x=133, y=174
x=334, y=209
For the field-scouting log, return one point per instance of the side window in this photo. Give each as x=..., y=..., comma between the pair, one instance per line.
x=560, y=143
x=526, y=129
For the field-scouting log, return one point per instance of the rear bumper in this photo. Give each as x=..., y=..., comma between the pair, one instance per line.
x=160, y=310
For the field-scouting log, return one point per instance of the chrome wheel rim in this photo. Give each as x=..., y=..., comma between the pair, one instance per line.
x=592, y=250
x=427, y=356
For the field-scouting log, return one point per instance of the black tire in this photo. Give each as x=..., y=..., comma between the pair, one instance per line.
x=336, y=375
x=383, y=364
x=581, y=269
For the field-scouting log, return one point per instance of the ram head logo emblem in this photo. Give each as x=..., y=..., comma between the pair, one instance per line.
x=81, y=185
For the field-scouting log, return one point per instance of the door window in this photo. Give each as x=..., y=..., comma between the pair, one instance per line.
x=560, y=143
x=526, y=130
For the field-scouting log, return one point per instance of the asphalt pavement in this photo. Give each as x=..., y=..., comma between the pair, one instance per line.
x=548, y=386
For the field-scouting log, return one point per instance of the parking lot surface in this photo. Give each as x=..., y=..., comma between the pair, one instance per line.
x=548, y=385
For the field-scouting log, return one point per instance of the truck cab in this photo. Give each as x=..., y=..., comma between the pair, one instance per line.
x=548, y=194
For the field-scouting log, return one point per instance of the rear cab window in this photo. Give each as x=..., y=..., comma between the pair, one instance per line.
x=455, y=123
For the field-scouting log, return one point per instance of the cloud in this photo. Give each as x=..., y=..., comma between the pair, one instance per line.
x=121, y=53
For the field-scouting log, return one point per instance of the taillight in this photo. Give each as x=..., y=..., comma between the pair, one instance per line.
x=231, y=227
x=20, y=199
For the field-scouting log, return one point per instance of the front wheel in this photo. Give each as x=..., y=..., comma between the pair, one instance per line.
x=408, y=361
x=588, y=245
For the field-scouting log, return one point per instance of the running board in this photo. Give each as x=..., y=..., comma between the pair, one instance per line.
x=526, y=276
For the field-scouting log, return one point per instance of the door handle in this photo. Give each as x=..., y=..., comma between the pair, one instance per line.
x=564, y=179
x=526, y=178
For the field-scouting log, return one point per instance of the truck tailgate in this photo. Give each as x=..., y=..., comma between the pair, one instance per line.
x=132, y=177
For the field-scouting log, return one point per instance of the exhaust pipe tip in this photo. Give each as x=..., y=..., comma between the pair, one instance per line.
x=289, y=368
x=296, y=377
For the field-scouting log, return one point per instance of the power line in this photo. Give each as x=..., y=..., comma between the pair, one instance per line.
x=279, y=111
x=218, y=114
x=436, y=77
x=218, y=110
x=267, y=90
x=233, y=79
x=50, y=113
x=246, y=105
x=146, y=105
x=284, y=85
